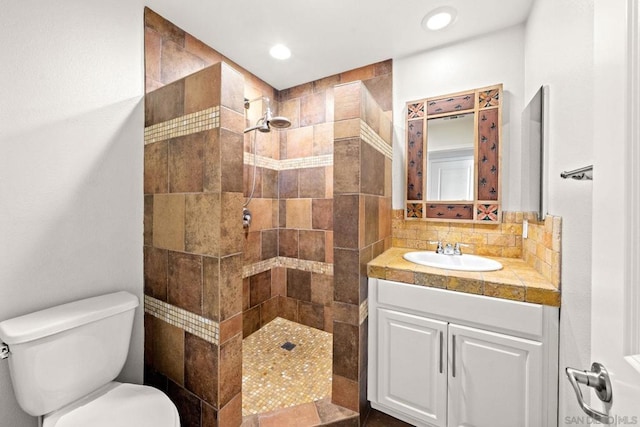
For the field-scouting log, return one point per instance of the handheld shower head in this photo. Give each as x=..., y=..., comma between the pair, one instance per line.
x=261, y=125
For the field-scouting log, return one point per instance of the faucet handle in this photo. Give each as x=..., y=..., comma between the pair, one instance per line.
x=456, y=248
x=439, y=249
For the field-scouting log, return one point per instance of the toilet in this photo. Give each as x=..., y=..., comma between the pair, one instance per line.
x=63, y=361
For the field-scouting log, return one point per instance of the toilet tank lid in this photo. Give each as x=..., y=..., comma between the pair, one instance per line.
x=60, y=318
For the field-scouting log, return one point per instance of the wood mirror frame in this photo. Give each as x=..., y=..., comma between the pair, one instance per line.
x=486, y=105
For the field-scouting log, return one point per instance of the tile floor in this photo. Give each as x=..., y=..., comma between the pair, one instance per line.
x=301, y=379
x=274, y=377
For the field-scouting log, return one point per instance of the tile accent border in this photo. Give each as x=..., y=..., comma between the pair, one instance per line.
x=261, y=161
x=299, y=163
x=298, y=264
x=307, y=162
x=364, y=311
x=202, y=327
x=368, y=135
x=184, y=125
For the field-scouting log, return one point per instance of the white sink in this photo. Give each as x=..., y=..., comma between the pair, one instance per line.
x=462, y=262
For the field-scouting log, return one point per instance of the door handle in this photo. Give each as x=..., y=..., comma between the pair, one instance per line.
x=441, y=351
x=453, y=356
x=598, y=378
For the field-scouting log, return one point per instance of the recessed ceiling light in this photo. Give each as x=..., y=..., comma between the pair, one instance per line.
x=280, y=51
x=439, y=18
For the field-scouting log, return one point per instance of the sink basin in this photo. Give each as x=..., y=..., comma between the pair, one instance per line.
x=462, y=262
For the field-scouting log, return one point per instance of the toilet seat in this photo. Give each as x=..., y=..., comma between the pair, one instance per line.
x=117, y=405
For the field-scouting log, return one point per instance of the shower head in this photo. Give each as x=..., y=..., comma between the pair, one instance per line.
x=267, y=121
x=279, y=122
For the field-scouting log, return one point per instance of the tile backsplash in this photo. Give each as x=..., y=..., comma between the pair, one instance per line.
x=541, y=248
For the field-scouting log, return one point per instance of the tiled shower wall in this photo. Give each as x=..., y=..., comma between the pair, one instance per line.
x=193, y=249
x=293, y=248
x=300, y=229
x=362, y=227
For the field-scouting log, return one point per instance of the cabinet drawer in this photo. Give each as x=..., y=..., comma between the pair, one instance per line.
x=474, y=310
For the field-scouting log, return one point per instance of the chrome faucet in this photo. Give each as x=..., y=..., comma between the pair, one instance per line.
x=456, y=249
x=448, y=249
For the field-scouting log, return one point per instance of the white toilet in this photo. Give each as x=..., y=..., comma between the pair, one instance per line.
x=63, y=361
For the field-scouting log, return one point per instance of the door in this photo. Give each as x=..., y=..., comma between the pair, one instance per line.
x=451, y=175
x=494, y=379
x=412, y=371
x=615, y=294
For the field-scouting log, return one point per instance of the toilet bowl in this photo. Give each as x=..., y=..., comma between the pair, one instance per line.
x=117, y=404
x=63, y=361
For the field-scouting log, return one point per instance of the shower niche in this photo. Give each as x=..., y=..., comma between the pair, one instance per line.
x=454, y=145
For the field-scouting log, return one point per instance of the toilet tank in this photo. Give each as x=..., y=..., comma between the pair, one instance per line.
x=60, y=354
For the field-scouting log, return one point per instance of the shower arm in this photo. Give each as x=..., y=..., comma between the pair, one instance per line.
x=265, y=99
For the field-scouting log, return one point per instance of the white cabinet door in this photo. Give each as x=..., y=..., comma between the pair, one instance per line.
x=494, y=379
x=412, y=365
x=451, y=179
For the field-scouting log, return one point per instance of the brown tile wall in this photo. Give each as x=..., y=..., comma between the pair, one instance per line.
x=305, y=195
x=193, y=242
x=362, y=225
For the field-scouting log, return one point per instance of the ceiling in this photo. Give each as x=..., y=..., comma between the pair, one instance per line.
x=327, y=37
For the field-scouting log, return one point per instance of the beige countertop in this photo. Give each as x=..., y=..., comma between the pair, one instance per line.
x=516, y=281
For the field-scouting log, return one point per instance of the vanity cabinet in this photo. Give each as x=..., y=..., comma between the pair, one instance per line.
x=411, y=365
x=443, y=358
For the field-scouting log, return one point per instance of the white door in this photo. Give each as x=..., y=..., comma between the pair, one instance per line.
x=412, y=365
x=495, y=380
x=450, y=176
x=615, y=313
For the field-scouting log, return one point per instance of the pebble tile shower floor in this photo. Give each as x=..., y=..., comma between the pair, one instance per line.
x=285, y=364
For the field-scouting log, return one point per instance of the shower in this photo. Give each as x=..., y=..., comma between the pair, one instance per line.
x=264, y=125
x=267, y=121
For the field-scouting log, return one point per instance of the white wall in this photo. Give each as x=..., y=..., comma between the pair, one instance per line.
x=559, y=45
x=485, y=61
x=71, y=132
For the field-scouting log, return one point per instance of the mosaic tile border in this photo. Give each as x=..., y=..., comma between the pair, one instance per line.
x=368, y=135
x=259, y=267
x=261, y=161
x=202, y=327
x=279, y=165
x=305, y=265
x=307, y=162
x=364, y=311
x=298, y=264
x=184, y=125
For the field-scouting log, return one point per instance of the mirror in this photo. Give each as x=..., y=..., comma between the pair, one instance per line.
x=453, y=156
x=450, y=159
x=535, y=154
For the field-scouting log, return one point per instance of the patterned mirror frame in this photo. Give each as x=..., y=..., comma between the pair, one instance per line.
x=486, y=104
